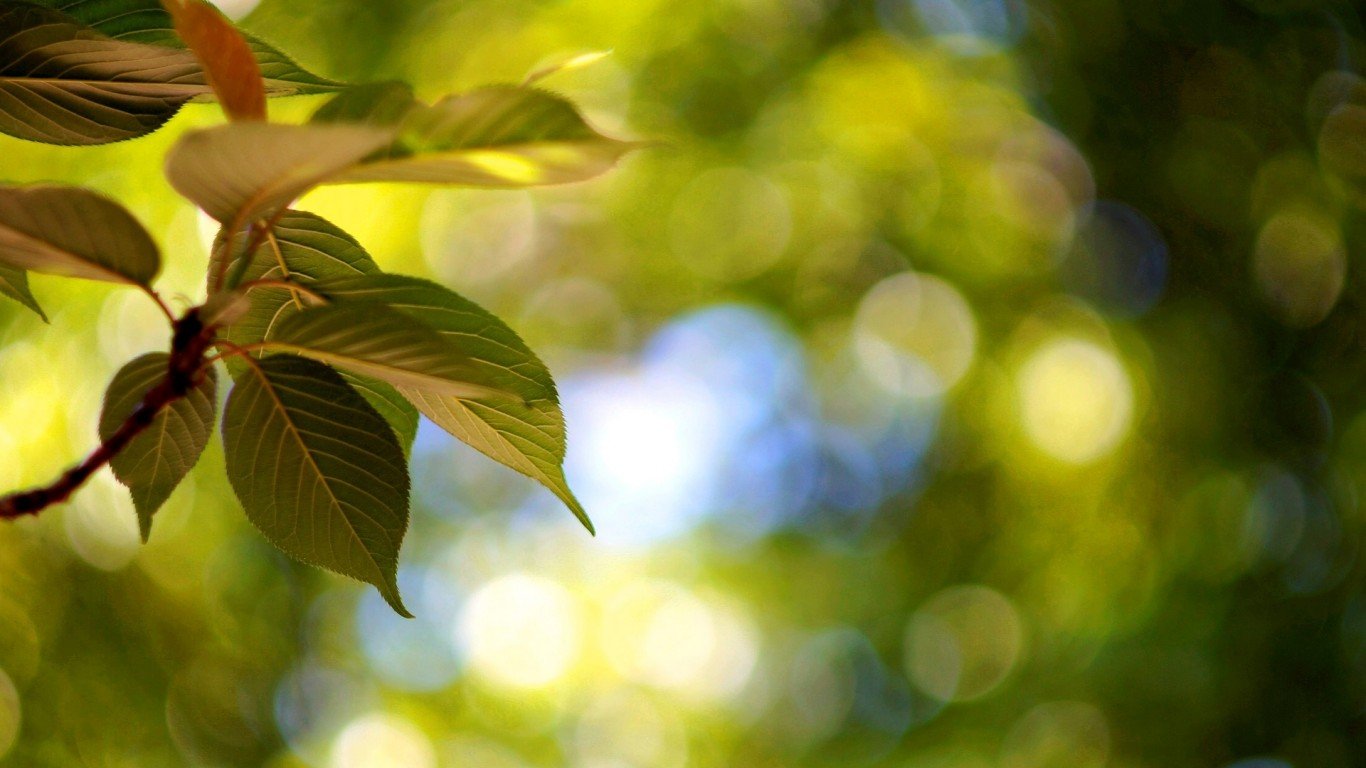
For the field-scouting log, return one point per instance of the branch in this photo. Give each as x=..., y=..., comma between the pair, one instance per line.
x=188, y=347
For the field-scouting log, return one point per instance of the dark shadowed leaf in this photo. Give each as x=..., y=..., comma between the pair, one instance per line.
x=63, y=83
x=526, y=434
x=145, y=21
x=14, y=284
x=318, y=471
x=377, y=341
x=389, y=403
x=76, y=233
x=242, y=172
x=229, y=64
x=381, y=104
x=155, y=462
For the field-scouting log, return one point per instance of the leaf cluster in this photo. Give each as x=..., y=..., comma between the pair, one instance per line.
x=331, y=360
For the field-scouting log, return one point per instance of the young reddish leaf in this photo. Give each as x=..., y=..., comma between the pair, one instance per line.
x=229, y=65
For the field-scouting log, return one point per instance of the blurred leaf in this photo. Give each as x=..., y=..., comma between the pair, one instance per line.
x=526, y=434
x=374, y=340
x=14, y=284
x=157, y=460
x=379, y=104
x=146, y=21
x=242, y=172
x=229, y=65
x=76, y=233
x=495, y=137
x=66, y=84
x=224, y=309
x=318, y=471
x=570, y=64
x=502, y=136
x=390, y=404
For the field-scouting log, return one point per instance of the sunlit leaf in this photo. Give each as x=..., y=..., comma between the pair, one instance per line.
x=62, y=83
x=383, y=343
x=318, y=471
x=156, y=461
x=146, y=21
x=76, y=233
x=229, y=64
x=570, y=64
x=501, y=136
x=14, y=284
x=242, y=172
x=526, y=434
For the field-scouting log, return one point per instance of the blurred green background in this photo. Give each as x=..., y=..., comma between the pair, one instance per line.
x=959, y=384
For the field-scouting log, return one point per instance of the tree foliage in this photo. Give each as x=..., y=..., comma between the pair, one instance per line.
x=331, y=360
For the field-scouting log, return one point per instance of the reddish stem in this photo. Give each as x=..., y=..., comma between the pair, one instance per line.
x=188, y=347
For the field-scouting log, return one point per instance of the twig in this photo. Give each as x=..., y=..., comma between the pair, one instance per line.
x=188, y=347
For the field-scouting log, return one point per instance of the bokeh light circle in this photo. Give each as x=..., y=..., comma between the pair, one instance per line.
x=522, y=631
x=662, y=635
x=1070, y=733
x=1300, y=264
x=915, y=335
x=382, y=741
x=1076, y=400
x=730, y=224
x=963, y=643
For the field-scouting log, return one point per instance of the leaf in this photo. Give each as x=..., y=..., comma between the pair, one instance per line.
x=318, y=471
x=63, y=83
x=146, y=21
x=527, y=433
x=243, y=172
x=402, y=416
x=502, y=136
x=229, y=64
x=374, y=340
x=378, y=104
x=14, y=284
x=497, y=137
x=156, y=461
x=305, y=248
x=572, y=63
x=76, y=233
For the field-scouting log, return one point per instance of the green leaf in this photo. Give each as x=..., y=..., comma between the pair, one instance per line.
x=242, y=172
x=527, y=433
x=306, y=248
x=379, y=104
x=63, y=83
x=318, y=471
x=14, y=284
x=501, y=136
x=402, y=416
x=374, y=340
x=145, y=21
x=76, y=233
x=496, y=137
x=156, y=461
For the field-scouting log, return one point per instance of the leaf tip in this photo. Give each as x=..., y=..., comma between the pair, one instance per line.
x=391, y=596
